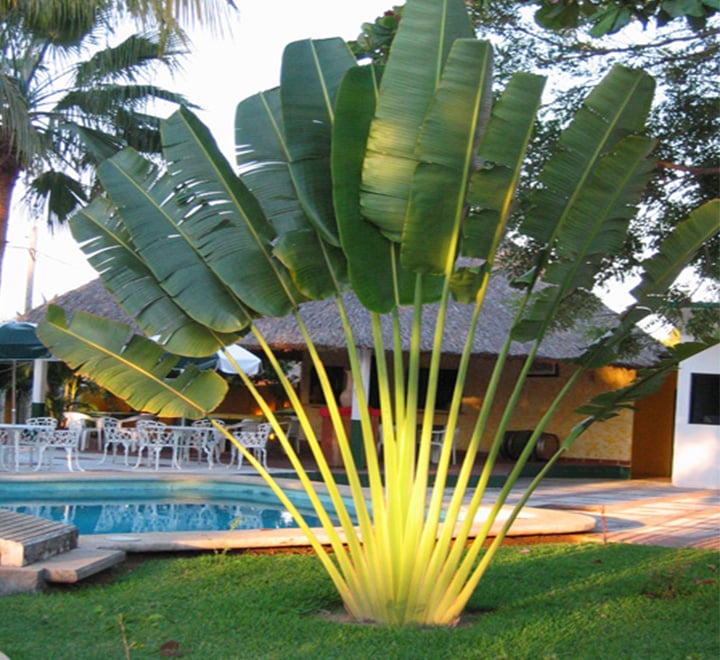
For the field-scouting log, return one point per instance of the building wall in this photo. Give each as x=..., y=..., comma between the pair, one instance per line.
x=607, y=441
x=653, y=427
x=696, y=455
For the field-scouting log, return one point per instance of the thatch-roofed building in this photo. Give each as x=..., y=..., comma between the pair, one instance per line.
x=616, y=445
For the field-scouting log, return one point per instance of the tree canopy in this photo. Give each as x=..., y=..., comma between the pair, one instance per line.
x=609, y=16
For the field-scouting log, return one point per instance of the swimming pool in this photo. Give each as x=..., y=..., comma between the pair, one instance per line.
x=135, y=506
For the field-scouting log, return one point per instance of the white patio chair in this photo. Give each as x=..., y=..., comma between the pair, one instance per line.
x=205, y=441
x=48, y=440
x=7, y=448
x=436, y=444
x=255, y=440
x=295, y=433
x=153, y=437
x=88, y=423
x=42, y=421
x=114, y=435
x=36, y=434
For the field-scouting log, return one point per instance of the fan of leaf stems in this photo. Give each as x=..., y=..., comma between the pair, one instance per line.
x=396, y=183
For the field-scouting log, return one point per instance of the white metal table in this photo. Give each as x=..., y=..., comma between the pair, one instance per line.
x=12, y=438
x=201, y=439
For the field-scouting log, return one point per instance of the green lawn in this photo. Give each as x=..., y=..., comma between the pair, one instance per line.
x=544, y=601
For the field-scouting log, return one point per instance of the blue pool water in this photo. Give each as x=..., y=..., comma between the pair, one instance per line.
x=138, y=518
x=124, y=507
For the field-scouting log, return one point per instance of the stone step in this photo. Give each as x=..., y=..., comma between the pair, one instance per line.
x=26, y=539
x=67, y=568
x=80, y=563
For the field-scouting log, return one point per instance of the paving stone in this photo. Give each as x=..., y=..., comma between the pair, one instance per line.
x=20, y=580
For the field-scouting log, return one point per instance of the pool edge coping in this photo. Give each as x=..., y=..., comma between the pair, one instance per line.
x=547, y=522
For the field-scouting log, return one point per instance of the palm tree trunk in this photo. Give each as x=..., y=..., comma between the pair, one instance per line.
x=8, y=179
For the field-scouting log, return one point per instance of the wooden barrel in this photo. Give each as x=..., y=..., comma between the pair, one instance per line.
x=546, y=446
x=515, y=441
x=513, y=444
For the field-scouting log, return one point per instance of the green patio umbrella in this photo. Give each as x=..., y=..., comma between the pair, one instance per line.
x=19, y=343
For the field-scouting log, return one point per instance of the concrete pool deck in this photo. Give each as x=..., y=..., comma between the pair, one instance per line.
x=645, y=511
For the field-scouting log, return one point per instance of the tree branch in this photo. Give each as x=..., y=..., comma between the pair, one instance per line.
x=695, y=171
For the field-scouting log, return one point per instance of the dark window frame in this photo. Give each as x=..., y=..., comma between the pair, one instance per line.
x=704, y=399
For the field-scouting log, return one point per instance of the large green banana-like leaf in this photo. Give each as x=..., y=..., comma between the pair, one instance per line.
x=420, y=48
x=659, y=272
x=373, y=261
x=446, y=153
x=596, y=227
x=221, y=219
x=613, y=192
x=370, y=260
x=141, y=197
x=616, y=107
x=99, y=144
x=312, y=71
x=501, y=155
x=109, y=249
x=263, y=157
x=318, y=270
x=263, y=160
x=131, y=367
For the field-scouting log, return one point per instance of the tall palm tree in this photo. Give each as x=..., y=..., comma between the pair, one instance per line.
x=167, y=15
x=68, y=100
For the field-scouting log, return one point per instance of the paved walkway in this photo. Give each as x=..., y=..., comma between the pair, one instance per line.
x=646, y=511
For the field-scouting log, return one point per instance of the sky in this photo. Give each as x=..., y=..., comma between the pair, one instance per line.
x=219, y=73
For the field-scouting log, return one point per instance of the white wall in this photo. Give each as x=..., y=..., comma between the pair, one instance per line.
x=696, y=454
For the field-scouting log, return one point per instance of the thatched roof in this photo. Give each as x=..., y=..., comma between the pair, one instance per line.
x=92, y=297
x=323, y=322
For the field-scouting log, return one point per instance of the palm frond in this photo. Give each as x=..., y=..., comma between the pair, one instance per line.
x=420, y=48
x=311, y=74
x=102, y=102
x=108, y=247
x=131, y=367
x=445, y=151
x=144, y=200
x=135, y=57
x=616, y=108
x=59, y=192
x=99, y=145
x=18, y=130
x=223, y=220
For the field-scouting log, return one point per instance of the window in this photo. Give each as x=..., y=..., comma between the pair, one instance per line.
x=336, y=376
x=704, y=399
x=547, y=369
x=445, y=387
